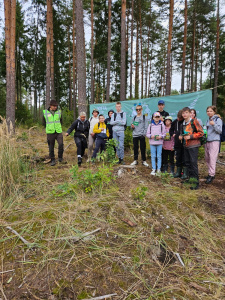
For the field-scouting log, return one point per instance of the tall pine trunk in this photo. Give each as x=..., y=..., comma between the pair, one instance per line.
x=193, y=49
x=168, y=73
x=48, y=55
x=69, y=75
x=123, y=52
x=81, y=57
x=92, y=52
x=142, y=67
x=149, y=31
x=131, y=48
x=52, y=53
x=74, y=65
x=184, y=48
x=10, y=46
x=217, y=54
x=109, y=50
x=137, y=64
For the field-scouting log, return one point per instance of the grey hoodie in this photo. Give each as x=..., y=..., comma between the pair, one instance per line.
x=119, y=123
x=214, y=131
x=141, y=128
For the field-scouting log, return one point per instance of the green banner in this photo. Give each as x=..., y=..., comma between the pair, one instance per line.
x=197, y=100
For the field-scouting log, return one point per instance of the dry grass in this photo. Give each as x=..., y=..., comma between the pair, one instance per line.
x=133, y=262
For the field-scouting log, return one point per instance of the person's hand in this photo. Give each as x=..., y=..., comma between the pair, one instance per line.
x=211, y=122
x=152, y=137
x=180, y=137
x=102, y=129
x=161, y=118
x=174, y=135
x=187, y=137
x=158, y=137
x=66, y=134
x=132, y=126
x=92, y=134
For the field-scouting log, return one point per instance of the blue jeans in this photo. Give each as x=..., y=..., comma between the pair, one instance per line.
x=156, y=151
x=119, y=136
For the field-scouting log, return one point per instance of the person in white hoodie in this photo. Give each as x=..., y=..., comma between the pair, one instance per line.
x=91, y=136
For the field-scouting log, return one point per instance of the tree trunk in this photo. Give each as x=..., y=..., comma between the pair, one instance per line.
x=168, y=77
x=92, y=52
x=217, y=54
x=131, y=49
x=184, y=48
x=196, y=68
x=201, y=64
x=142, y=67
x=137, y=65
x=52, y=53
x=48, y=54
x=74, y=64
x=149, y=30
x=109, y=50
x=69, y=75
x=193, y=51
x=10, y=46
x=81, y=57
x=123, y=52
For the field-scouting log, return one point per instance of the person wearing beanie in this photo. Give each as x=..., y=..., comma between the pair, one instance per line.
x=81, y=127
x=107, y=122
x=91, y=136
x=52, y=121
x=168, y=147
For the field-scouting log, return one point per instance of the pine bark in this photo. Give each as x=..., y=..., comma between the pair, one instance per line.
x=142, y=67
x=109, y=50
x=92, y=51
x=147, y=63
x=184, y=48
x=131, y=48
x=217, y=54
x=81, y=57
x=52, y=53
x=10, y=46
x=74, y=64
x=48, y=55
x=123, y=52
x=69, y=75
x=193, y=50
x=137, y=64
x=168, y=73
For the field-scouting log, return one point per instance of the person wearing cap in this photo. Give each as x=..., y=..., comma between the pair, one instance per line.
x=156, y=133
x=139, y=126
x=118, y=122
x=108, y=125
x=52, y=120
x=168, y=147
x=163, y=113
x=81, y=127
x=91, y=136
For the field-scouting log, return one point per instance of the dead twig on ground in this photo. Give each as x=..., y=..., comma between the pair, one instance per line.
x=75, y=238
x=20, y=237
x=102, y=297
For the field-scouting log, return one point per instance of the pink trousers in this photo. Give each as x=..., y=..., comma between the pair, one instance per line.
x=211, y=154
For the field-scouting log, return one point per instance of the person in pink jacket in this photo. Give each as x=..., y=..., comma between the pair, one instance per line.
x=168, y=147
x=156, y=133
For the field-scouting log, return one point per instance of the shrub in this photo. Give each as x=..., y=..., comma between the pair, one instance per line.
x=139, y=193
x=128, y=138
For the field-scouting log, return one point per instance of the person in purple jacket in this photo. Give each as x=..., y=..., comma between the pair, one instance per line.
x=156, y=133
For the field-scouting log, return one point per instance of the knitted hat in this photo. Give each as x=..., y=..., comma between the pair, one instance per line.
x=169, y=118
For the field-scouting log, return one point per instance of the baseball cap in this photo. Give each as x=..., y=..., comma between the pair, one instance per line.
x=95, y=109
x=161, y=102
x=169, y=118
x=156, y=114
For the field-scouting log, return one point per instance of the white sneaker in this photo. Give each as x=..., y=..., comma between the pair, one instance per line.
x=144, y=163
x=153, y=172
x=158, y=173
x=134, y=163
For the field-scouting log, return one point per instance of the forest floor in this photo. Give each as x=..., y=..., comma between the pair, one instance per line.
x=137, y=236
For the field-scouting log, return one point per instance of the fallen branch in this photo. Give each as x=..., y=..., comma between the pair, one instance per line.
x=3, y=272
x=1, y=289
x=75, y=238
x=220, y=162
x=20, y=237
x=129, y=222
x=102, y=297
x=68, y=146
x=220, y=283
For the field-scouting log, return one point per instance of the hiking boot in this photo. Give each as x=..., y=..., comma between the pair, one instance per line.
x=209, y=179
x=172, y=169
x=79, y=160
x=134, y=163
x=178, y=172
x=53, y=162
x=60, y=159
x=164, y=168
x=144, y=163
x=185, y=173
x=153, y=172
x=122, y=162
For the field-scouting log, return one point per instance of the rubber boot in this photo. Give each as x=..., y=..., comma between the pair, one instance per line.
x=164, y=168
x=172, y=169
x=178, y=172
x=185, y=173
x=53, y=162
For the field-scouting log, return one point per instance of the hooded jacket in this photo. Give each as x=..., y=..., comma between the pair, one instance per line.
x=214, y=131
x=81, y=128
x=156, y=129
x=194, y=130
x=176, y=129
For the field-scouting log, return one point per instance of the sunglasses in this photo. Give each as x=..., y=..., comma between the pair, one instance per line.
x=138, y=109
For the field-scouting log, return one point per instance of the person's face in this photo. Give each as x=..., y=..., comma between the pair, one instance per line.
x=82, y=118
x=210, y=112
x=186, y=115
x=110, y=114
x=167, y=123
x=156, y=119
x=53, y=107
x=192, y=114
x=161, y=107
x=101, y=119
x=118, y=107
x=139, y=110
x=95, y=114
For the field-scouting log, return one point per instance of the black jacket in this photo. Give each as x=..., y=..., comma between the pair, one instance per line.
x=175, y=128
x=81, y=128
x=109, y=126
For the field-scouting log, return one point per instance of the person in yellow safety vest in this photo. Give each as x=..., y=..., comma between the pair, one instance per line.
x=52, y=120
x=102, y=133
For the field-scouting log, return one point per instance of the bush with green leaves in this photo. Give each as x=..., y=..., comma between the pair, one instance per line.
x=109, y=155
x=128, y=138
x=139, y=193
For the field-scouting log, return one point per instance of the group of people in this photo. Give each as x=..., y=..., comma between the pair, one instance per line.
x=180, y=138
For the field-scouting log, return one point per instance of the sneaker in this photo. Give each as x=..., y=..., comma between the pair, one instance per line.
x=60, y=159
x=209, y=179
x=144, y=163
x=79, y=161
x=53, y=162
x=153, y=172
x=134, y=163
x=158, y=173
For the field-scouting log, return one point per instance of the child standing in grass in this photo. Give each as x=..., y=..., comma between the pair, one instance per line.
x=156, y=133
x=168, y=147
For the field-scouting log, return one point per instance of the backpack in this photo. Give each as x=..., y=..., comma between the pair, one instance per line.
x=121, y=115
x=222, y=135
x=202, y=139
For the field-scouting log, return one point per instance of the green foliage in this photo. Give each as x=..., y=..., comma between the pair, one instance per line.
x=90, y=181
x=166, y=177
x=109, y=154
x=67, y=116
x=128, y=138
x=139, y=193
x=66, y=189
x=23, y=114
x=23, y=136
x=201, y=152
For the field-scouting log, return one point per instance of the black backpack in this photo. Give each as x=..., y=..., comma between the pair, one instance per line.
x=121, y=115
x=222, y=135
